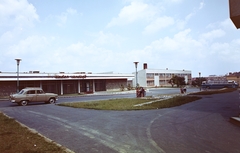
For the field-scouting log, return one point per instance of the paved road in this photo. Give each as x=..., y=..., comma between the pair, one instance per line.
x=125, y=94
x=200, y=126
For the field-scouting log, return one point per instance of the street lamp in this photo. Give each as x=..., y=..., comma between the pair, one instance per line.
x=18, y=62
x=136, y=63
x=199, y=80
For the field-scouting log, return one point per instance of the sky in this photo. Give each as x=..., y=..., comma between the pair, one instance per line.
x=109, y=35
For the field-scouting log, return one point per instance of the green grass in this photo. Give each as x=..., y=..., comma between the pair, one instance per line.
x=111, y=104
x=128, y=104
x=19, y=139
x=217, y=91
x=173, y=102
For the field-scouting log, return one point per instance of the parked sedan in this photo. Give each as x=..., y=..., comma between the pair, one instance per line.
x=33, y=94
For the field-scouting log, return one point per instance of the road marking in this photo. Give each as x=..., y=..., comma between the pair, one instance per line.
x=121, y=147
x=150, y=139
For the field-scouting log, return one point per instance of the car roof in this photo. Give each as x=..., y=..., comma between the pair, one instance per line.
x=33, y=88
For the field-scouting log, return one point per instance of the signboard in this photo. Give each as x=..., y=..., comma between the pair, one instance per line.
x=71, y=76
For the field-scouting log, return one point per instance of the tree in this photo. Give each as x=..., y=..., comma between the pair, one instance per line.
x=177, y=80
x=198, y=81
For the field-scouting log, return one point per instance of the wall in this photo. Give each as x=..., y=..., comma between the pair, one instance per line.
x=115, y=84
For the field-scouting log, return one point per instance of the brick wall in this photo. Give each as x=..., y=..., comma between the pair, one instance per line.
x=116, y=84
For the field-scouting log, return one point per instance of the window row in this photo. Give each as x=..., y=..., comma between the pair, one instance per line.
x=167, y=75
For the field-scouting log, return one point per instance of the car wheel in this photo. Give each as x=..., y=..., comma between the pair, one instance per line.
x=51, y=101
x=24, y=103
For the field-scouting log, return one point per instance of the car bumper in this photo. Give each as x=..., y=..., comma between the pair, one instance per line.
x=13, y=101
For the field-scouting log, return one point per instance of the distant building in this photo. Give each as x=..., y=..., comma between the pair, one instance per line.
x=235, y=76
x=159, y=77
x=217, y=82
x=63, y=83
x=214, y=79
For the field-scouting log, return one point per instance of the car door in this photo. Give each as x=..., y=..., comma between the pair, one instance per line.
x=41, y=96
x=31, y=95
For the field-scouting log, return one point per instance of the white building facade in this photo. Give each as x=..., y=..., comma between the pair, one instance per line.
x=159, y=77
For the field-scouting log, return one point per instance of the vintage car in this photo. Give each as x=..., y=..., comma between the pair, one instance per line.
x=32, y=94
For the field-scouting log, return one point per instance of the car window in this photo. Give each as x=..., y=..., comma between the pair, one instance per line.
x=21, y=92
x=40, y=92
x=31, y=92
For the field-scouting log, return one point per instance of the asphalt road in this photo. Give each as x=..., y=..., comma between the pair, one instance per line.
x=200, y=126
x=125, y=94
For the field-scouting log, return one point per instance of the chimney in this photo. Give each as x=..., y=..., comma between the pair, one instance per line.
x=234, y=6
x=144, y=66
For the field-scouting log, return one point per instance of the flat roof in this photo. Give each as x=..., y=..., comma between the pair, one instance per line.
x=23, y=76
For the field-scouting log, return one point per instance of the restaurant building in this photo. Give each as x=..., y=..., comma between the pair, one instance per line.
x=63, y=83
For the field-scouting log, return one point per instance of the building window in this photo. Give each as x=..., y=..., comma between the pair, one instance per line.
x=168, y=75
x=150, y=75
x=150, y=83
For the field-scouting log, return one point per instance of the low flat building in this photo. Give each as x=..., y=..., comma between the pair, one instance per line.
x=63, y=83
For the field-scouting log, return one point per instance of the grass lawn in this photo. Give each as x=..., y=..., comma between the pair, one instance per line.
x=129, y=104
x=216, y=91
x=15, y=138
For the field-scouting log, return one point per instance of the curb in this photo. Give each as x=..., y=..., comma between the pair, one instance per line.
x=235, y=120
x=45, y=138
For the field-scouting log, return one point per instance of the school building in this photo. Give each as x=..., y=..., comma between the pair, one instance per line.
x=159, y=77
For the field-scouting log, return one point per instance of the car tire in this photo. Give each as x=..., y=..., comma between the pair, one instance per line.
x=51, y=101
x=24, y=103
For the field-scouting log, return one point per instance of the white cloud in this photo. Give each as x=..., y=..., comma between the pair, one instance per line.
x=181, y=23
x=174, y=1
x=218, y=33
x=11, y=35
x=202, y=4
x=175, y=52
x=33, y=50
x=183, y=43
x=225, y=52
x=180, y=43
x=17, y=13
x=225, y=24
x=135, y=11
x=158, y=24
x=71, y=11
x=62, y=19
x=108, y=39
x=28, y=46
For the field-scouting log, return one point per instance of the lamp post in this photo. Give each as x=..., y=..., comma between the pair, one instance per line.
x=136, y=63
x=199, y=80
x=18, y=62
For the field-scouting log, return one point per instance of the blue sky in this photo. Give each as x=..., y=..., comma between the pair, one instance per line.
x=109, y=35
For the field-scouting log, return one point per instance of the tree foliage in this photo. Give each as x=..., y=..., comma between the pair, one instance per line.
x=198, y=81
x=176, y=80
